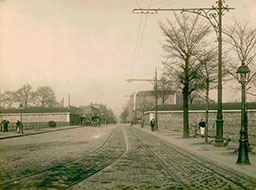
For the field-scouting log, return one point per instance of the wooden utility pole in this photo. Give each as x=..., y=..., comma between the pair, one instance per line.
x=156, y=89
x=69, y=101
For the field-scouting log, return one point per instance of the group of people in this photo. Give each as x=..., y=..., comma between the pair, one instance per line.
x=19, y=126
x=5, y=123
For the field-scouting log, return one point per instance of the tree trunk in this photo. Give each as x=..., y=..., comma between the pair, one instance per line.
x=42, y=104
x=206, y=111
x=185, y=102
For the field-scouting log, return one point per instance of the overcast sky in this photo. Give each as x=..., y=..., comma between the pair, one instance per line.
x=87, y=48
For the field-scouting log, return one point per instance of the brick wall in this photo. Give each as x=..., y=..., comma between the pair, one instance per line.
x=173, y=120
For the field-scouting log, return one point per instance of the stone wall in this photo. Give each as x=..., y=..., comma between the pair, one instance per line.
x=36, y=120
x=173, y=120
x=36, y=117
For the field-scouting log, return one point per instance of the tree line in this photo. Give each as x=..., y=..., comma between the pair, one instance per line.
x=43, y=96
x=191, y=57
x=190, y=60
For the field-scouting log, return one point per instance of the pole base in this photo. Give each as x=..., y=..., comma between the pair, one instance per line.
x=219, y=141
x=243, y=150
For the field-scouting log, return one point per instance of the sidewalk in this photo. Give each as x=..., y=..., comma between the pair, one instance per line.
x=14, y=134
x=224, y=156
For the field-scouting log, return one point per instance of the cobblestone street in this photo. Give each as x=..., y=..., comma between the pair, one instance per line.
x=120, y=157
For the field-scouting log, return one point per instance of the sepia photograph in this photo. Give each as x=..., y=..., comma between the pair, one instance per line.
x=128, y=94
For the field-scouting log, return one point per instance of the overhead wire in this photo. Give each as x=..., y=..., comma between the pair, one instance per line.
x=137, y=3
x=140, y=34
x=140, y=41
x=136, y=43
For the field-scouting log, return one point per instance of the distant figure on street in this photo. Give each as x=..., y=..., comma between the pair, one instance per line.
x=2, y=123
x=142, y=123
x=6, y=122
x=19, y=127
x=202, y=127
x=152, y=124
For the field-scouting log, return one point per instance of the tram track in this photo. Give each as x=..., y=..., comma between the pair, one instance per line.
x=107, y=165
x=45, y=177
x=174, y=157
x=161, y=162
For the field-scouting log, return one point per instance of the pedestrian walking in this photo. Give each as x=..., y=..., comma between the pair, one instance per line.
x=202, y=127
x=19, y=127
x=142, y=123
x=2, y=123
x=6, y=122
x=152, y=124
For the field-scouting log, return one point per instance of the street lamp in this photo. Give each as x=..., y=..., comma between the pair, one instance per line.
x=20, y=108
x=243, y=73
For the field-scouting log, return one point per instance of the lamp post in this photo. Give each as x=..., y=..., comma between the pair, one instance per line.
x=20, y=108
x=243, y=73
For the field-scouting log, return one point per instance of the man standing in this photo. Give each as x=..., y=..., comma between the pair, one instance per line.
x=202, y=127
x=152, y=124
x=19, y=127
x=6, y=122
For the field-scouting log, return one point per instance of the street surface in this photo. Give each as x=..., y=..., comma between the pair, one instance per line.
x=109, y=157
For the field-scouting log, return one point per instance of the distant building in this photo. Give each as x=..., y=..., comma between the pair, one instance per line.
x=145, y=100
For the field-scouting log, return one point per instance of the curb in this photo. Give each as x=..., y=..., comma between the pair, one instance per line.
x=39, y=132
x=203, y=157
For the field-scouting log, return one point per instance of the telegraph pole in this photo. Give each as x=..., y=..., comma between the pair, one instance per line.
x=214, y=16
x=156, y=115
x=134, y=108
x=68, y=101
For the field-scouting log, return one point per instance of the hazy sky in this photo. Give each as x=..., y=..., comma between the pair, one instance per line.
x=86, y=48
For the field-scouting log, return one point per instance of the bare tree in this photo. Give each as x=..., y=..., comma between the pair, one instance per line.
x=164, y=88
x=242, y=40
x=8, y=98
x=209, y=73
x=25, y=95
x=196, y=96
x=45, y=96
x=183, y=40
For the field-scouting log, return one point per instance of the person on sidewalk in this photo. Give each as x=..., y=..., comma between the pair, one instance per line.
x=6, y=122
x=152, y=124
x=202, y=127
x=142, y=123
x=19, y=127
